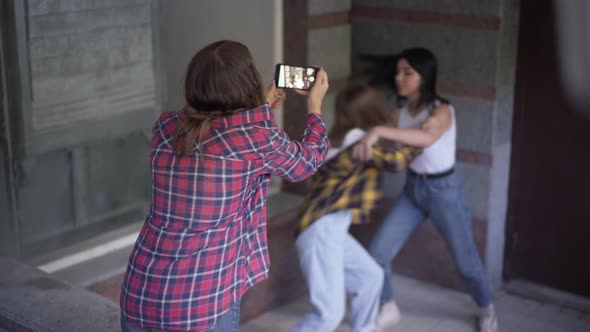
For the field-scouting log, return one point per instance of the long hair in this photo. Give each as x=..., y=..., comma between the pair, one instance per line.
x=357, y=106
x=220, y=80
x=422, y=60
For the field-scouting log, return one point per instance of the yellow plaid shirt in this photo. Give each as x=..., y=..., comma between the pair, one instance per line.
x=345, y=183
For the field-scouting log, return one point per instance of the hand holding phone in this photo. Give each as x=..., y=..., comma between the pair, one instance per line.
x=317, y=93
x=274, y=97
x=295, y=77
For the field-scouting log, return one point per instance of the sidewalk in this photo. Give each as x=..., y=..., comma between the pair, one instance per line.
x=34, y=301
x=424, y=306
x=31, y=300
x=427, y=307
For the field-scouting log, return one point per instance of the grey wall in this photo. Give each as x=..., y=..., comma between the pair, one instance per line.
x=502, y=136
x=90, y=169
x=330, y=46
x=93, y=94
x=97, y=75
x=8, y=233
x=69, y=189
x=91, y=65
x=91, y=61
x=189, y=25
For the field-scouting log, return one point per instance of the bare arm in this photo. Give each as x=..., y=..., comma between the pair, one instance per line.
x=296, y=160
x=431, y=130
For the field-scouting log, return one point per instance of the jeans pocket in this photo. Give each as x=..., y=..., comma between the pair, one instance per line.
x=441, y=185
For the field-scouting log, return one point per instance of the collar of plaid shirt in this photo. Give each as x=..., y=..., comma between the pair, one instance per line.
x=262, y=113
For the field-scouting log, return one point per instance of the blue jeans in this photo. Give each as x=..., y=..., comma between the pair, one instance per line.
x=443, y=201
x=228, y=322
x=334, y=263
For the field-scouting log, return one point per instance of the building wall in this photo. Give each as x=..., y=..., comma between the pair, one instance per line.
x=476, y=48
x=8, y=231
x=82, y=97
x=96, y=75
x=79, y=133
x=89, y=62
x=8, y=240
x=502, y=137
x=190, y=25
x=330, y=46
x=316, y=33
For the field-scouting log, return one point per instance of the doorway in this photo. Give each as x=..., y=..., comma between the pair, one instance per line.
x=548, y=222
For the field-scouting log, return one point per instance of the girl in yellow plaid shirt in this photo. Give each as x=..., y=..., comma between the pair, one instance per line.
x=344, y=191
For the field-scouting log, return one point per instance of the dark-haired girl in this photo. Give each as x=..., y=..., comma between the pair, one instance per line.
x=203, y=243
x=433, y=188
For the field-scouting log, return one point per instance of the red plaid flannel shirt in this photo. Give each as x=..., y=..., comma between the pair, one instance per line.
x=204, y=243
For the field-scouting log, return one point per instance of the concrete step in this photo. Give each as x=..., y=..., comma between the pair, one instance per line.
x=32, y=300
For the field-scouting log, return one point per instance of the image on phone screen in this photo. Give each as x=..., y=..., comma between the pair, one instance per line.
x=295, y=77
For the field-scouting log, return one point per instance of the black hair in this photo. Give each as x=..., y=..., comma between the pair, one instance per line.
x=422, y=60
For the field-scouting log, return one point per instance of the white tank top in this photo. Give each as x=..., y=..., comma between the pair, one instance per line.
x=438, y=157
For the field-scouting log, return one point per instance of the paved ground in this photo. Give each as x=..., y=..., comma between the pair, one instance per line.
x=427, y=307
x=424, y=306
x=34, y=301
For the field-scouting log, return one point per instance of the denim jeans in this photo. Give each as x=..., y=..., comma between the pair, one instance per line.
x=334, y=263
x=228, y=322
x=443, y=201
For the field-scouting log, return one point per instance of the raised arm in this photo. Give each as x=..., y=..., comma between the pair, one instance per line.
x=396, y=159
x=434, y=126
x=297, y=160
x=431, y=130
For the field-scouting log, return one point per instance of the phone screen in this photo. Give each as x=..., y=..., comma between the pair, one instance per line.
x=294, y=77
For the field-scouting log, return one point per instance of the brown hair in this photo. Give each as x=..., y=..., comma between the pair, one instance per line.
x=220, y=80
x=357, y=106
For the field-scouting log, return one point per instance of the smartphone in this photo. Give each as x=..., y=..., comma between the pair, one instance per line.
x=295, y=77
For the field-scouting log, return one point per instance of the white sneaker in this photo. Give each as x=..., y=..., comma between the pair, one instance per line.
x=388, y=315
x=487, y=319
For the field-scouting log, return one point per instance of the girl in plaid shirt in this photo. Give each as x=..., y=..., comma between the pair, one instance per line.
x=203, y=243
x=345, y=191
